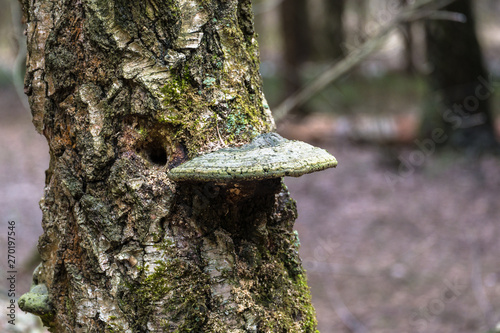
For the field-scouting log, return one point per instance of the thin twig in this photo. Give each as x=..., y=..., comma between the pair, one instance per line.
x=218, y=133
x=411, y=13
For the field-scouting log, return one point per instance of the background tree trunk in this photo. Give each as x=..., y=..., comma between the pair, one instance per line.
x=460, y=82
x=361, y=8
x=334, y=30
x=327, y=30
x=123, y=91
x=297, y=45
x=406, y=30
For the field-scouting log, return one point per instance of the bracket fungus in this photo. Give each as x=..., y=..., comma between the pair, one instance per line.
x=267, y=156
x=36, y=301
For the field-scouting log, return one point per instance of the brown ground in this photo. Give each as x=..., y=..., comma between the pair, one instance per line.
x=420, y=255
x=415, y=253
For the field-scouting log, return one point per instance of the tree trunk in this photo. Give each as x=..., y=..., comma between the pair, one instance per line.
x=460, y=82
x=362, y=10
x=406, y=30
x=334, y=30
x=124, y=91
x=297, y=45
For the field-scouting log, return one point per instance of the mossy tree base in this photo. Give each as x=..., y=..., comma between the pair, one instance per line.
x=124, y=91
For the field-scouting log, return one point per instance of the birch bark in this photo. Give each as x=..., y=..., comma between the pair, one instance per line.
x=124, y=91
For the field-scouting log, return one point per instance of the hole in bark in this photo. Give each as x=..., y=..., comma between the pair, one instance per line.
x=179, y=155
x=156, y=153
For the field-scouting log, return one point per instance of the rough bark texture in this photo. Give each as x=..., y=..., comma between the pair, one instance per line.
x=123, y=91
x=460, y=82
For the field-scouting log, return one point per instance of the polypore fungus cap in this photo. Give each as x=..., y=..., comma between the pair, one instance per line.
x=267, y=156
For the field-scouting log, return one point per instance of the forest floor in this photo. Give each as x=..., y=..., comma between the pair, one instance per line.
x=388, y=246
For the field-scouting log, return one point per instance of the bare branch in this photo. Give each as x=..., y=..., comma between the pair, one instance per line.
x=419, y=10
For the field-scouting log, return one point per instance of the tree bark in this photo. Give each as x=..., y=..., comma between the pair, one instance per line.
x=123, y=91
x=460, y=83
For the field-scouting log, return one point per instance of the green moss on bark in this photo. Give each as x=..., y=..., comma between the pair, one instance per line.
x=186, y=289
x=130, y=90
x=199, y=117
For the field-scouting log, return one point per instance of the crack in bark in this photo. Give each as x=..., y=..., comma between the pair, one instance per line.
x=124, y=247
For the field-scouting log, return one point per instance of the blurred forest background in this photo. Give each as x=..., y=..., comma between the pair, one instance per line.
x=403, y=235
